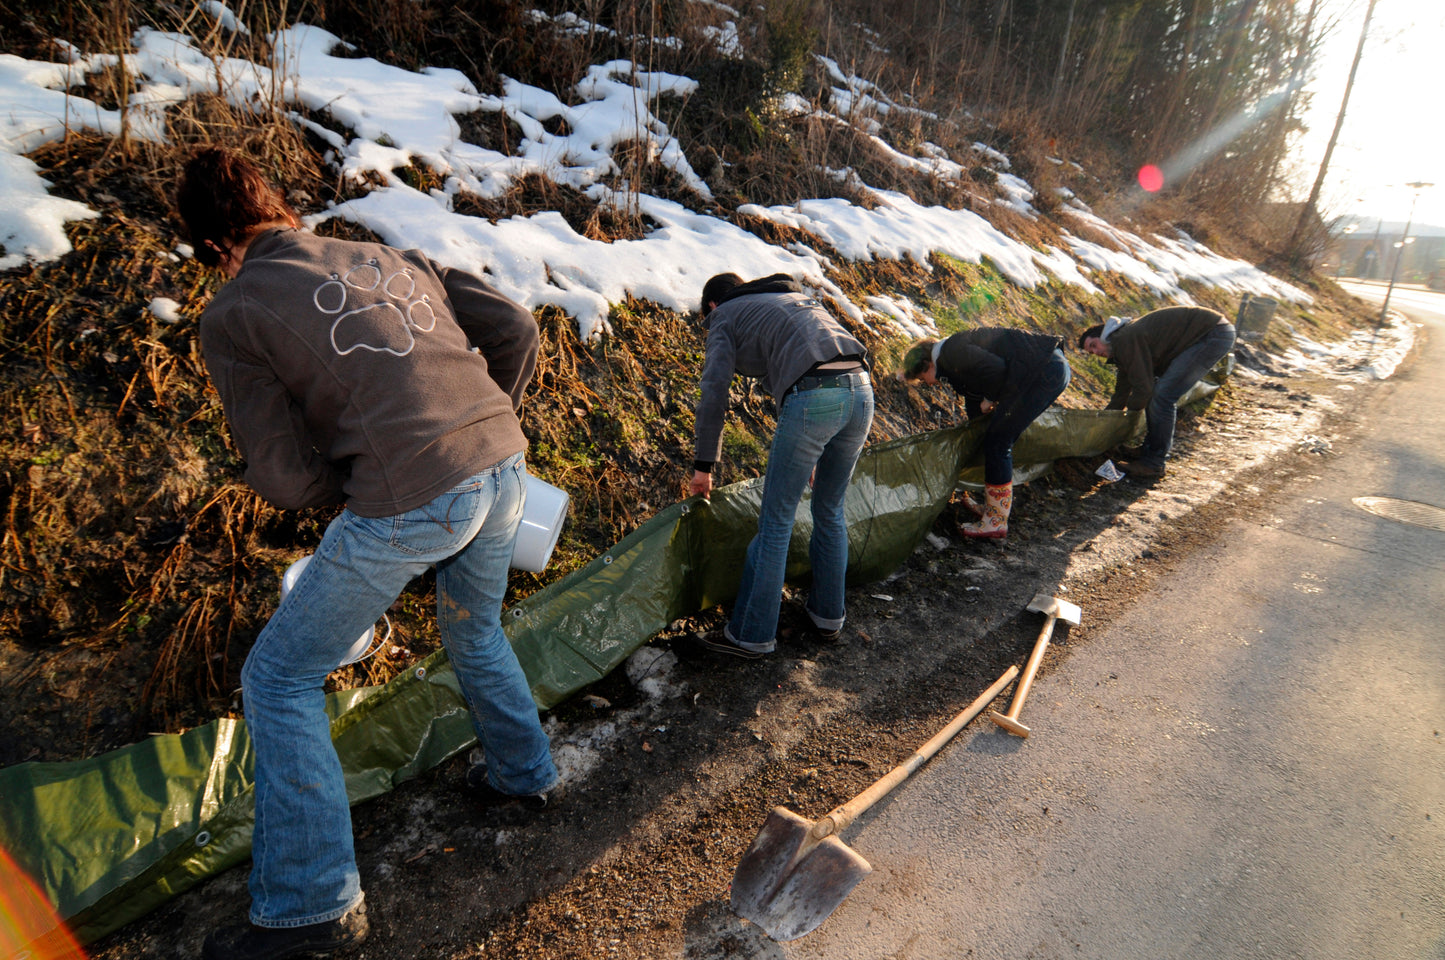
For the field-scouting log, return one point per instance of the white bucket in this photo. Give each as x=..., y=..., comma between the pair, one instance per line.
x=363, y=647
x=542, y=518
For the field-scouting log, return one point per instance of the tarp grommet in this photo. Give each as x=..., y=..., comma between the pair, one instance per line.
x=421, y=673
x=203, y=838
x=516, y=613
x=606, y=561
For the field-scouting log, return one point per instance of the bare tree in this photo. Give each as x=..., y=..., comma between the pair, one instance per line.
x=1178, y=89
x=1293, y=248
x=1063, y=58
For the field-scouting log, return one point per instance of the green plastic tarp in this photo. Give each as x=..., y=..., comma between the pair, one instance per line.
x=108, y=839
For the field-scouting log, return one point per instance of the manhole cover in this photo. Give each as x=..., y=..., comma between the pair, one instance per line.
x=1404, y=511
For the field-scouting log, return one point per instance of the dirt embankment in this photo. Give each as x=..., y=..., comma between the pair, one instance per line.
x=674, y=762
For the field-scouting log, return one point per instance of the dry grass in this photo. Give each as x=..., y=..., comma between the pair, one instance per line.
x=135, y=568
x=123, y=530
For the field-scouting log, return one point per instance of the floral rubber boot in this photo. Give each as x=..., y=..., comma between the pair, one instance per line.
x=993, y=525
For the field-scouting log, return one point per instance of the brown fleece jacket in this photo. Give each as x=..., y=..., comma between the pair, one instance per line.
x=1144, y=348
x=347, y=372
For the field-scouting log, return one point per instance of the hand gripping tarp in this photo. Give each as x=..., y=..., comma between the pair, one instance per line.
x=110, y=838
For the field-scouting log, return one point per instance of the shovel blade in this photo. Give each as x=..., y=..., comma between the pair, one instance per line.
x=1060, y=609
x=787, y=883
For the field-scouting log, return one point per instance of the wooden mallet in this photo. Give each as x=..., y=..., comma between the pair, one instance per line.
x=1053, y=610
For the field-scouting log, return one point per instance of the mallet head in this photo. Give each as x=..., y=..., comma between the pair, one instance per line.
x=1008, y=723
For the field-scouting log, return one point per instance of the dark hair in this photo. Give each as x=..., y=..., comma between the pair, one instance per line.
x=918, y=359
x=222, y=198
x=716, y=288
x=1094, y=331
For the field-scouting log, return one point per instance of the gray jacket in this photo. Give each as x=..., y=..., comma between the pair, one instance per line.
x=775, y=337
x=347, y=372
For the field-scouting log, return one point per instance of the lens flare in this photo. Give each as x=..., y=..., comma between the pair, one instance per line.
x=28, y=925
x=1151, y=178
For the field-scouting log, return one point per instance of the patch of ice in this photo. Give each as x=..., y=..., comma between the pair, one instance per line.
x=1364, y=355
x=725, y=39
x=791, y=104
x=992, y=154
x=648, y=670
x=578, y=754
x=165, y=309
x=1017, y=195
x=903, y=315
x=225, y=17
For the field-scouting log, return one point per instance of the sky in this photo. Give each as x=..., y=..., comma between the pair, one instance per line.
x=387, y=117
x=1392, y=135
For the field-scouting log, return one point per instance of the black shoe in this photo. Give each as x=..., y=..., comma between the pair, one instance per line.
x=1142, y=469
x=719, y=642
x=825, y=636
x=480, y=789
x=246, y=941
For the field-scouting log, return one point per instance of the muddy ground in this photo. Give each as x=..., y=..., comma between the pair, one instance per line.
x=690, y=752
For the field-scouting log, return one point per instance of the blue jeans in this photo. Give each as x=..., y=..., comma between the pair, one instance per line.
x=1009, y=420
x=304, y=869
x=824, y=428
x=1182, y=373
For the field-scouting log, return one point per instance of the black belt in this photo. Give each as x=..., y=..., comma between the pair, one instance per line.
x=843, y=378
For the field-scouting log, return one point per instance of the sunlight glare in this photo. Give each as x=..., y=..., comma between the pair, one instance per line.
x=29, y=927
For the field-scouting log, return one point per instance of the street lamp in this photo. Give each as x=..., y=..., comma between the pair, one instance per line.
x=1417, y=186
x=1339, y=267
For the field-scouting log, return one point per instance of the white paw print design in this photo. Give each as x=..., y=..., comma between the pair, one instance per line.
x=376, y=313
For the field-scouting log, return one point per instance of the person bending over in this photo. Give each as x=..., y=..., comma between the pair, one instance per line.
x=817, y=373
x=348, y=375
x=1010, y=375
x=1160, y=356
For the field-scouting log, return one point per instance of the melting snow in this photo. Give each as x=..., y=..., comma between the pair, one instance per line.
x=389, y=117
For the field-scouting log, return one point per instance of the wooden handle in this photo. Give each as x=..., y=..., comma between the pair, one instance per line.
x=1035, y=658
x=838, y=819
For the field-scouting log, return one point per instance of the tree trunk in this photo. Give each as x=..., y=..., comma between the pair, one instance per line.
x=1063, y=58
x=1226, y=63
x=1279, y=129
x=1292, y=248
x=1164, y=127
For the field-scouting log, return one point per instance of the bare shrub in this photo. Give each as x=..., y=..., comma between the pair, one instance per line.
x=135, y=567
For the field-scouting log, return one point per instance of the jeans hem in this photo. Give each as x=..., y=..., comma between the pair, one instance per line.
x=326, y=917
x=510, y=787
x=825, y=624
x=766, y=647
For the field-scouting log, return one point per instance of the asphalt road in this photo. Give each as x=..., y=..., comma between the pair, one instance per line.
x=1249, y=763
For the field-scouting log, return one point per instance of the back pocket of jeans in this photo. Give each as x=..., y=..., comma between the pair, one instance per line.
x=441, y=526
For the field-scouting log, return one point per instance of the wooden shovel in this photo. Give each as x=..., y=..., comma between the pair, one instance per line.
x=797, y=872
